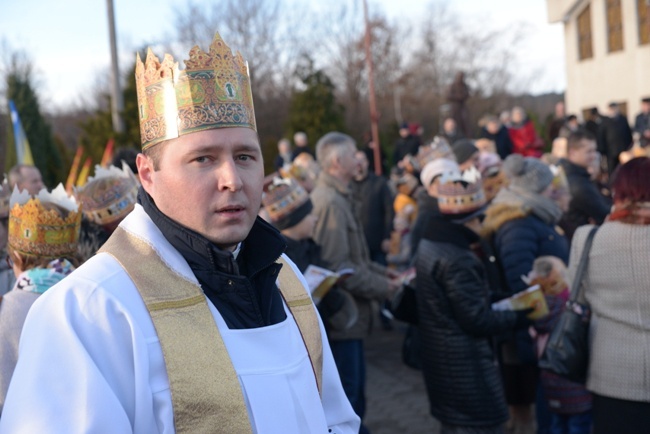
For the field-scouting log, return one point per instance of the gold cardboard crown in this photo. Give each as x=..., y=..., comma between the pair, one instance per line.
x=214, y=91
x=110, y=195
x=461, y=194
x=37, y=231
x=283, y=196
x=5, y=194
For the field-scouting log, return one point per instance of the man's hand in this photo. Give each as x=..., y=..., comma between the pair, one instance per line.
x=393, y=285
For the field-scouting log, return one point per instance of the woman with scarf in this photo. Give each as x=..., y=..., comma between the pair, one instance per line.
x=521, y=224
x=42, y=250
x=618, y=291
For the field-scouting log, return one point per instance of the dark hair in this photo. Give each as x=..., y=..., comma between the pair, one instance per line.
x=571, y=118
x=155, y=153
x=574, y=141
x=632, y=181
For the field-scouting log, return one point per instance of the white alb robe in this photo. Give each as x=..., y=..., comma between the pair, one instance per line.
x=90, y=361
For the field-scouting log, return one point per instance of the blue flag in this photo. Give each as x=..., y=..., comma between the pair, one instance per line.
x=23, y=152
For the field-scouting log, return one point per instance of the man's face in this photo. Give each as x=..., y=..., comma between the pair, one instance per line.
x=645, y=107
x=449, y=126
x=209, y=181
x=348, y=164
x=492, y=127
x=362, y=169
x=585, y=155
x=31, y=180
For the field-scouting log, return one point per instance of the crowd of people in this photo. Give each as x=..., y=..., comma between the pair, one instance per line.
x=167, y=294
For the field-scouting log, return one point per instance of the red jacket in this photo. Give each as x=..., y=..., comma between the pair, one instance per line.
x=525, y=140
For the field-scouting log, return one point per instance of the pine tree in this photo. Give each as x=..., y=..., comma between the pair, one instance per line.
x=315, y=110
x=20, y=89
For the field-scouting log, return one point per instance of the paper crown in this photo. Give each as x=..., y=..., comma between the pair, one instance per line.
x=110, y=195
x=286, y=202
x=35, y=230
x=5, y=194
x=439, y=148
x=214, y=91
x=461, y=195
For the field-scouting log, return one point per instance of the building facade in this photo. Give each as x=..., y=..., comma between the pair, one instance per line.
x=607, y=44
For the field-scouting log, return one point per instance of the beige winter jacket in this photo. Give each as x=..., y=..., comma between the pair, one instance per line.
x=343, y=245
x=618, y=289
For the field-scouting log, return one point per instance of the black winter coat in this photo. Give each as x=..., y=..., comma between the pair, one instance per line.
x=463, y=382
x=587, y=204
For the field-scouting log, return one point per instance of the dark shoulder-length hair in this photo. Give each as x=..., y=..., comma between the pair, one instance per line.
x=632, y=181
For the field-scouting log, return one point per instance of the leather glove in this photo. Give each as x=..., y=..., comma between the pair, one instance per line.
x=522, y=320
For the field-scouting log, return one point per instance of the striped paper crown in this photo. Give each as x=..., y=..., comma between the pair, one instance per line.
x=36, y=228
x=439, y=148
x=5, y=194
x=461, y=195
x=214, y=91
x=286, y=202
x=110, y=195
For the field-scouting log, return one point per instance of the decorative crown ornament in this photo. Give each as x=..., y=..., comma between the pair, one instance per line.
x=438, y=148
x=5, y=194
x=35, y=230
x=110, y=195
x=459, y=195
x=214, y=91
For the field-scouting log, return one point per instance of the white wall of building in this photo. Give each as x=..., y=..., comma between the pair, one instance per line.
x=622, y=76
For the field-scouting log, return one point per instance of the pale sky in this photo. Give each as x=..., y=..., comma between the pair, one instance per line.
x=68, y=40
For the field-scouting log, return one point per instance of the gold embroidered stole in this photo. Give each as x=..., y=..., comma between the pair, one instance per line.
x=206, y=393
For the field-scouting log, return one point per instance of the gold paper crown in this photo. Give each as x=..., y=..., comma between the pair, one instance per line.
x=461, y=194
x=282, y=197
x=5, y=194
x=37, y=231
x=110, y=195
x=214, y=91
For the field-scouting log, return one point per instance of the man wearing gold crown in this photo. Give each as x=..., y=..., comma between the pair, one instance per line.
x=190, y=319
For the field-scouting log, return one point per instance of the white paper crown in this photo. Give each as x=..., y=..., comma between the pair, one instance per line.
x=58, y=196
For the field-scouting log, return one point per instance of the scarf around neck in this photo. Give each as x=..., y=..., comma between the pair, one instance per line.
x=542, y=207
x=39, y=279
x=636, y=213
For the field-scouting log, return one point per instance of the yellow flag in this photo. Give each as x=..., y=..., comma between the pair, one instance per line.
x=85, y=171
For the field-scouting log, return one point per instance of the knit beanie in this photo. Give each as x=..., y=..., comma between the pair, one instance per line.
x=527, y=173
x=463, y=150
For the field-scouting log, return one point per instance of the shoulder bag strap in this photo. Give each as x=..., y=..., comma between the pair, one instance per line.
x=577, y=294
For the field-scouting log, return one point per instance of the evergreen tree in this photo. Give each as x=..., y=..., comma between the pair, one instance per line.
x=314, y=109
x=20, y=89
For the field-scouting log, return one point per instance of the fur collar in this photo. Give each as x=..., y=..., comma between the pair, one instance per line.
x=501, y=213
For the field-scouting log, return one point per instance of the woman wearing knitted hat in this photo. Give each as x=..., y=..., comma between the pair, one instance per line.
x=521, y=225
x=42, y=250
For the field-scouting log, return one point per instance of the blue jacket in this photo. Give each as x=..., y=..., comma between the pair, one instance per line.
x=519, y=238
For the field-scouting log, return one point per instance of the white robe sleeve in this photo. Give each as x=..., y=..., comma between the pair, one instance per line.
x=79, y=368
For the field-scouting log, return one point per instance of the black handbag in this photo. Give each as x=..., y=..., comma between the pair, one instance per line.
x=404, y=305
x=567, y=351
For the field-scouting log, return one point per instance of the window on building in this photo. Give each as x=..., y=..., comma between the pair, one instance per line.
x=643, y=12
x=584, y=34
x=614, y=26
